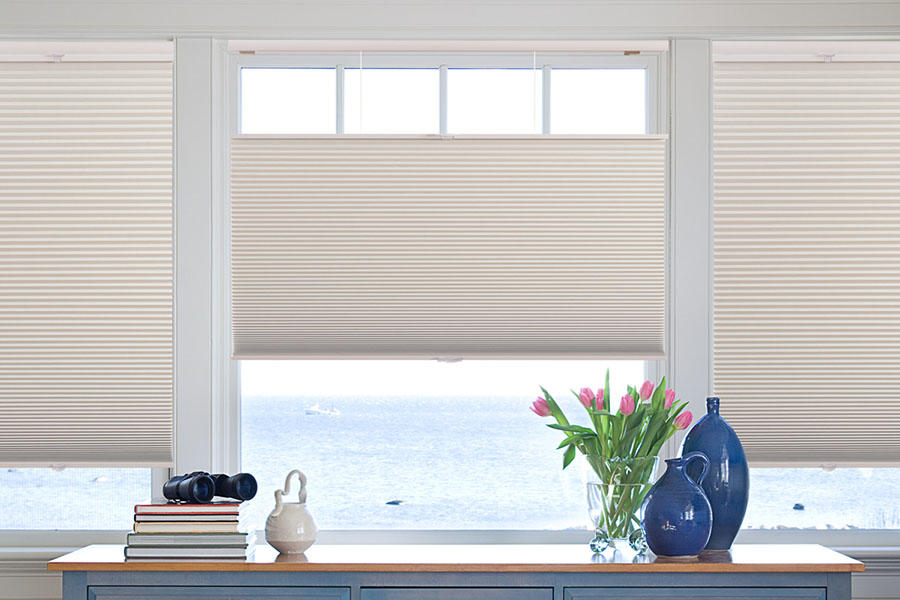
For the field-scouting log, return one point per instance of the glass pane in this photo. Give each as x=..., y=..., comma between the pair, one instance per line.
x=492, y=101
x=48, y=499
x=393, y=101
x=453, y=446
x=815, y=498
x=288, y=100
x=598, y=101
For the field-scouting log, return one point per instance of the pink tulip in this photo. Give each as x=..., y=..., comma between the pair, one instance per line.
x=540, y=407
x=683, y=420
x=626, y=406
x=646, y=390
x=600, y=399
x=670, y=398
x=586, y=395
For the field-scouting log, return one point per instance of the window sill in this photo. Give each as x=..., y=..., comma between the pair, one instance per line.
x=879, y=549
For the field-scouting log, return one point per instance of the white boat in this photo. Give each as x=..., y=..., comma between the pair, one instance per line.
x=315, y=409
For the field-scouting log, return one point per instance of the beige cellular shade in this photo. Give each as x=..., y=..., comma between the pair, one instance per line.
x=807, y=260
x=86, y=353
x=423, y=247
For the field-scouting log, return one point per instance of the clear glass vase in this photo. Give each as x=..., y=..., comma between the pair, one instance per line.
x=615, y=491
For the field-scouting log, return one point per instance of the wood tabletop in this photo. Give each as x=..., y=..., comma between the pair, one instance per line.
x=512, y=558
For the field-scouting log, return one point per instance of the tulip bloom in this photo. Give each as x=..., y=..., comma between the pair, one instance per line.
x=683, y=420
x=670, y=398
x=646, y=390
x=586, y=395
x=626, y=406
x=540, y=407
x=600, y=399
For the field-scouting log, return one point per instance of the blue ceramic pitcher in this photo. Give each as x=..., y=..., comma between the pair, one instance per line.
x=677, y=517
x=728, y=485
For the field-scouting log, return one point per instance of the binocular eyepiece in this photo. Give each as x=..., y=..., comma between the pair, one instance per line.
x=199, y=487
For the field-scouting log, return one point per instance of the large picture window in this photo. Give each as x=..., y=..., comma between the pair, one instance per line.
x=422, y=444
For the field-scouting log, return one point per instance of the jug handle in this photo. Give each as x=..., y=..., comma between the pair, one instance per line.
x=301, y=496
x=697, y=455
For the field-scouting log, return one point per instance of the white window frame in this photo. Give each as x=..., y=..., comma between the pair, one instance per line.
x=654, y=65
x=651, y=62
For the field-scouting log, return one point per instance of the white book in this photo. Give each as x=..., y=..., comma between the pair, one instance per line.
x=192, y=539
x=175, y=518
x=192, y=527
x=188, y=552
x=163, y=506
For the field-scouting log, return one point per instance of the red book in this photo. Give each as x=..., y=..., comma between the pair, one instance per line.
x=161, y=506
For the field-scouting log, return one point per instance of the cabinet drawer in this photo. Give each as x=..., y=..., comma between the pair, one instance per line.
x=716, y=593
x=456, y=593
x=150, y=592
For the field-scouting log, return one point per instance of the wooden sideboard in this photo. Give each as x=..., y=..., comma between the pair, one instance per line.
x=463, y=572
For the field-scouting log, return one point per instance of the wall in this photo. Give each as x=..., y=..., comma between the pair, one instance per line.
x=690, y=25
x=448, y=19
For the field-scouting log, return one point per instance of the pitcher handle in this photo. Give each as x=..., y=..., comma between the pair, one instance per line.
x=690, y=456
x=301, y=495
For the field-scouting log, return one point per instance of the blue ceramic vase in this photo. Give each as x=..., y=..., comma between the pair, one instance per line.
x=728, y=484
x=677, y=517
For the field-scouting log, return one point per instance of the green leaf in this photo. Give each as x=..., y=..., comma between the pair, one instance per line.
x=576, y=438
x=599, y=413
x=571, y=428
x=569, y=456
x=659, y=395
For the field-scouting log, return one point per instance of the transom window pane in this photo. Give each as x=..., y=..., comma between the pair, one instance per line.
x=598, y=101
x=494, y=101
x=288, y=100
x=401, y=101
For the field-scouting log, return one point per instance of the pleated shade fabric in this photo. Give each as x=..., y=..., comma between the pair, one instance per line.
x=807, y=260
x=465, y=247
x=86, y=271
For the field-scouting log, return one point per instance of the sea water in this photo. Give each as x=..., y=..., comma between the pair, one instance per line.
x=427, y=463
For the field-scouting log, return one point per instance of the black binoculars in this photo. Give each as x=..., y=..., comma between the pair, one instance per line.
x=199, y=487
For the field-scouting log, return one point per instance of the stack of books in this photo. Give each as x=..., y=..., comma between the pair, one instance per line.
x=164, y=529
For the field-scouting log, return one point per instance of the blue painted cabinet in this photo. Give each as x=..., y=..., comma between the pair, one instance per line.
x=94, y=585
x=118, y=592
x=694, y=594
x=460, y=593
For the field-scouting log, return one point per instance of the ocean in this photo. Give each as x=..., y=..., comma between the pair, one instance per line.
x=427, y=463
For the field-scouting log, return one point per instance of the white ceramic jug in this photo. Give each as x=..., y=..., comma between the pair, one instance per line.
x=290, y=527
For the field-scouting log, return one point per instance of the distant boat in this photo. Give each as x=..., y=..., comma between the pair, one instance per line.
x=315, y=409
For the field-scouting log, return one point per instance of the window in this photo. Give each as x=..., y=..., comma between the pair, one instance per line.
x=818, y=499
x=420, y=444
x=58, y=498
x=397, y=93
x=803, y=305
x=288, y=100
x=494, y=101
x=86, y=268
x=403, y=101
x=598, y=101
